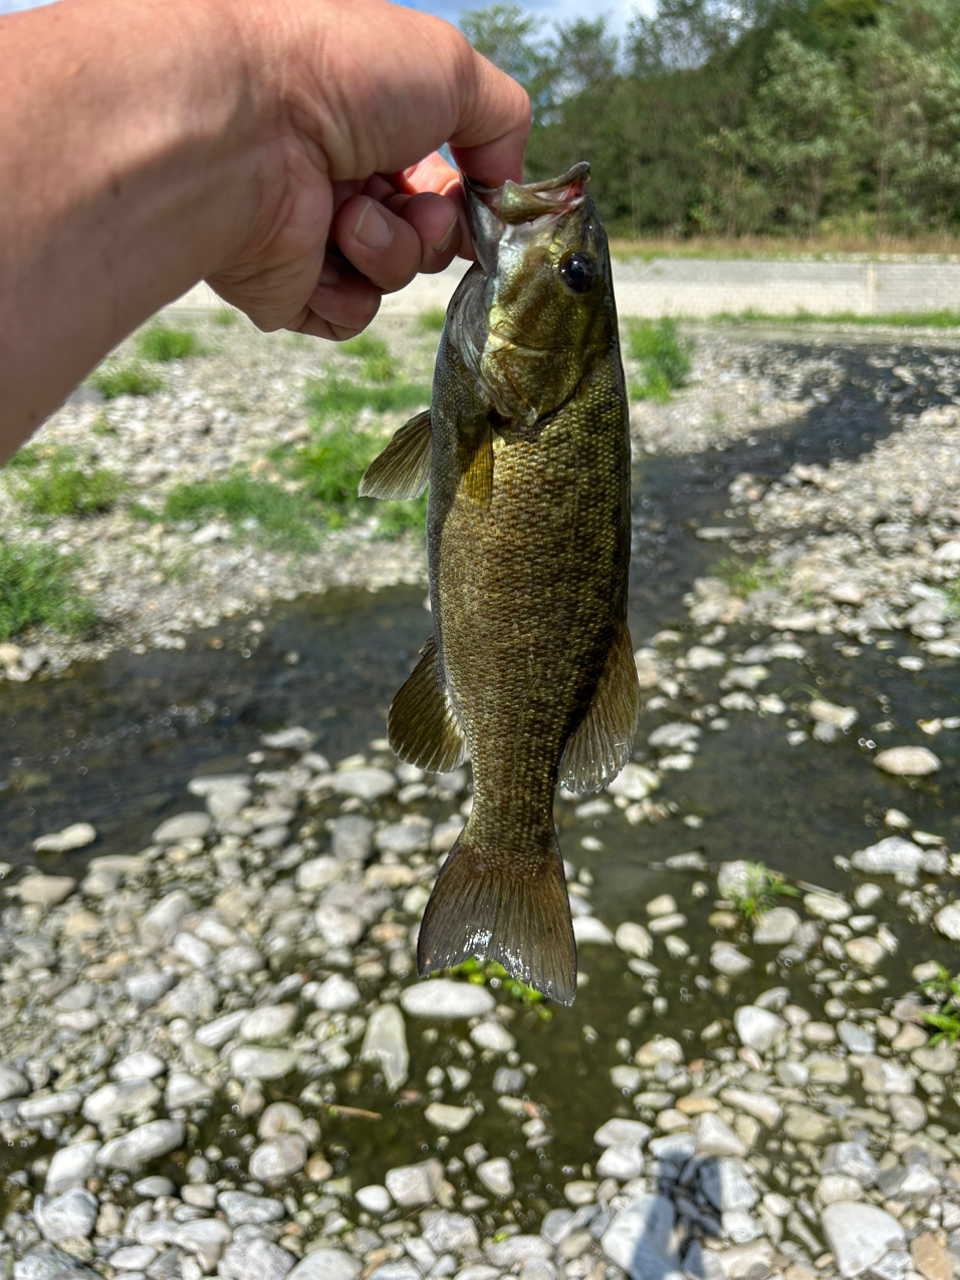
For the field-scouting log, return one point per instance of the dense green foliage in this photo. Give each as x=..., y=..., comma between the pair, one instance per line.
x=162, y=343
x=132, y=379
x=36, y=589
x=762, y=117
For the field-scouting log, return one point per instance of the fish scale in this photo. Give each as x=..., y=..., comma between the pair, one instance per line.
x=530, y=668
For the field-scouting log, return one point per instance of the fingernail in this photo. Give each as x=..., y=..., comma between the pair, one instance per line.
x=329, y=273
x=371, y=227
x=444, y=244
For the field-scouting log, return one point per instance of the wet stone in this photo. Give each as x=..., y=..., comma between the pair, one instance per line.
x=757, y=1028
x=726, y=959
x=70, y=1216
x=351, y=837
x=278, y=1157
x=884, y=1075
x=337, y=994
x=889, y=856
x=47, y=1262
x=45, y=891
x=859, y=1235
x=496, y=1175
x=907, y=762
x=374, y=1198
x=385, y=1043
x=443, y=998
x=183, y=826
x=634, y=939
x=725, y=1184
x=326, y=1264
x=947, y=921
x=254, y=1063
x=639, y=1239
x=255, y=1259
x=76, y=836
x=776, y=927
x=364, y=783
x=243, y=1209
x=141, y=1145
x=71, y=1167
x=415, y=1184
x=13, y=1084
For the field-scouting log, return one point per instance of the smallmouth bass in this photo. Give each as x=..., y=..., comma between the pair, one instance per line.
x=530, y=668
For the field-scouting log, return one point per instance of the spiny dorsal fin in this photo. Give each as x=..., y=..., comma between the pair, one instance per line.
x=475, y=461
x=403, y=468
x=505, y=908
x=600, y=745
x=422, y=725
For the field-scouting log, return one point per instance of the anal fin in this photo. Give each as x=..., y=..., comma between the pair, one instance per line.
x=403, y=468
x=423, y=727
x=601, y=744
x=512, y=908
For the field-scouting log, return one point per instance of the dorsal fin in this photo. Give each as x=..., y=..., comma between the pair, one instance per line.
x=403, y=468
x=601, y=744
x=423, y=727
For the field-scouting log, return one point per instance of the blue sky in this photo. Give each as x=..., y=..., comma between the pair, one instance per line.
x=619, y=11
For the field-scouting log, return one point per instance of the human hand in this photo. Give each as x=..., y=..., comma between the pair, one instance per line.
x=356, y=199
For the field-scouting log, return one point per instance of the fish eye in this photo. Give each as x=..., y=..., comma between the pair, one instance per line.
x=578, y=271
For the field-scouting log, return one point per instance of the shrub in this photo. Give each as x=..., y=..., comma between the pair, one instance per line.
x=113, y=380
x=67, y=486
x=664, y=357
x=161, y=343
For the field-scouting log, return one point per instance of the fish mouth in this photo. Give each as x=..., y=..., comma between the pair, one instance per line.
x=492, y=209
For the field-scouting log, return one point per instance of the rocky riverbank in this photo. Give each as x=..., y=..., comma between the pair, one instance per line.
x=216, y=1057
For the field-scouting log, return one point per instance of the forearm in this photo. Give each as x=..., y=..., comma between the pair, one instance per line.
x=103, y=152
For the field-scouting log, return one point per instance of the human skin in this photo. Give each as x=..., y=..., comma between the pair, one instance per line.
x=285, y=153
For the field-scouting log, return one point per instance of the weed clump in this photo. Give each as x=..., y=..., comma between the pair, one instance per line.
x=761, y=891
x=113, y=380
x=258, y=506
x=37, y=589
x=944, y=990
x=431, y=320
x=665, y=358
x=743, y=579
x=64, y=485
x=162, y=343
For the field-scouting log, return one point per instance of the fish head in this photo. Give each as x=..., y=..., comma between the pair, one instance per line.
x=539, y=306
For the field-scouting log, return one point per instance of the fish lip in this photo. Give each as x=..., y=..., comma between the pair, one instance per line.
x=492, y=209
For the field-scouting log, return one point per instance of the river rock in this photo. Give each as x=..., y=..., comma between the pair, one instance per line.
x=860, y=1234
x=77, y=836
x=725, y=1184
x=633, y=782
x=947, y=921
x=183, y=826
x=366, y=783
x=336, y=994
x=907, y=762
x=47, y=1262
x=374, y=1198
x=326, y=1264
x=617, y=1131
x=70, y=1216
x=71, y=1166
x=141, y=1145
x=13, y=1084
x=634, y=939
x=445, y=1232
x=385, y=1042
x=726, y=959
x=885, y=1076
x=296, y=738
x=496, y=1175
x=351, y=837
x=268, y=1022
x=757, y=1028
x=415, y=1184
x=45, y=891
x=255, y=1258
x=442, y=1115
x=256, y=1063
x=445, y=998
x=639, y=1239
x=278, y=1157
x=243, y=1209
x=888, y=857
x=776, y=927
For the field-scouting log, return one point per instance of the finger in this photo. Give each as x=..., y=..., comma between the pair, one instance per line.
x=342, y=300
x=441, y=227
x=316, y=327
x=383, y=245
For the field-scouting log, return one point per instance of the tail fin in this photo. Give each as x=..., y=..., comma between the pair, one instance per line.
x=514, y=912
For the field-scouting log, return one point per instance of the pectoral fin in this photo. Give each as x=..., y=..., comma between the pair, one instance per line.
x=600, y=745
x=423, y=727
x=475, y=461
x=403, y=468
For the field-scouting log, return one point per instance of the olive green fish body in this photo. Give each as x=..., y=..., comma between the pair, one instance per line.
x=530, y=668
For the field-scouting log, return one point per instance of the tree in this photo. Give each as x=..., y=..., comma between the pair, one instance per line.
x=512, y=39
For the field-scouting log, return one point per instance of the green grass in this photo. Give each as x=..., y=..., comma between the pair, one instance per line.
x=59, y=483
x=162, y=343
x=336, y=396
x=945, y=992
x=377, y=364
x=943, y=319
x=762, y=890
x=37, y=590
x=952, y=591
x=665, y=358
x=260, y=507
x=224, y=317
x=743, y=578
x=330, y=468
x=131, y=379
x=431, y=320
